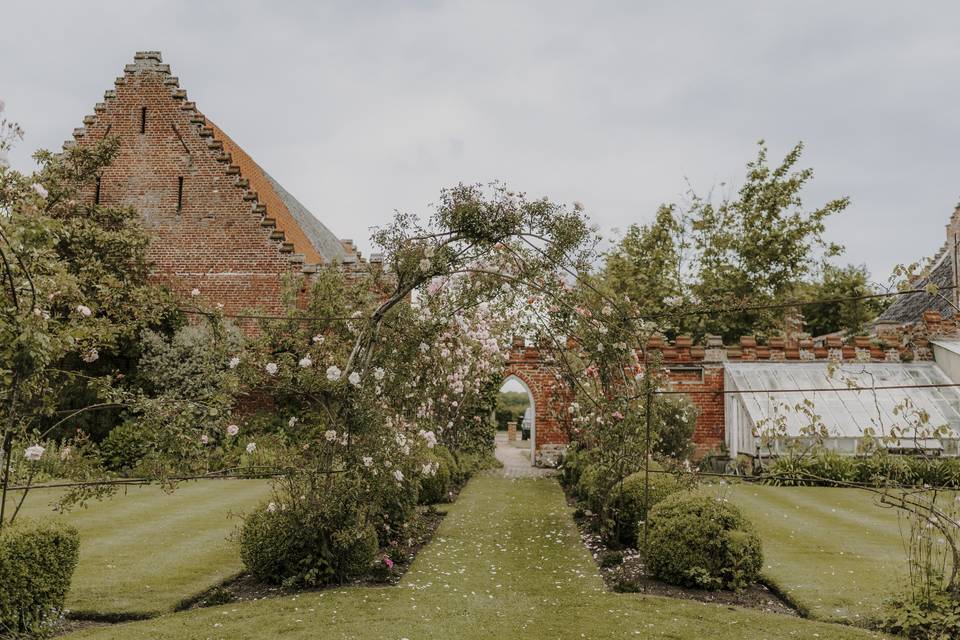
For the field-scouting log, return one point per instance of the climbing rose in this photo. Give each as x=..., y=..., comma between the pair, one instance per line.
x=333, y=373
x=33, y=453
x=234, y=362
x=232, y=430
x=84, y=310
x=251, y=447
x=195, y=292
x=398, y=475
x=272, y=368
x=378, y=373
x=354, y=379
x=305, y=362
x=90, y=356
x=38, y=188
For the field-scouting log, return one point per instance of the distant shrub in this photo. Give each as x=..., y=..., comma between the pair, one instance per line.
x=36, y=564
x=125, y=446
x=828, y=468
x=436, y=488
x=699, y=541
x=309, y=539
x=628, y=505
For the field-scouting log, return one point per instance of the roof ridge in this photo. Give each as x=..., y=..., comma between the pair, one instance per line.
x=152, y=61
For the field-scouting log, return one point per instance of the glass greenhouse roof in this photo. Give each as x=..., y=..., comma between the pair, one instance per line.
x=846, y=413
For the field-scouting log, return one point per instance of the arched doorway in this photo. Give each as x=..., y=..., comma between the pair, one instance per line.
x=526, y=418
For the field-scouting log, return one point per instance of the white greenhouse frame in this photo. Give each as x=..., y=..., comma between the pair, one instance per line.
x=757, y=391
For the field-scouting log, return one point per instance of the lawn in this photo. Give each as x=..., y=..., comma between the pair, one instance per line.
x=144, y=551
x=507, y=562
x=835, y=552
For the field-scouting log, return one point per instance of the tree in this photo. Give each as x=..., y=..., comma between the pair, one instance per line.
x=75, y=299
x=840, y=283
x=647, y=264
x=751, y=249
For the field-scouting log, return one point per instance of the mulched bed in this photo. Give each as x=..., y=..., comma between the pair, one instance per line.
x=245, y=588
x=630, y=575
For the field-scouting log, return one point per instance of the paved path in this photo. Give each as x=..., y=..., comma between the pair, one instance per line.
x=516, y=461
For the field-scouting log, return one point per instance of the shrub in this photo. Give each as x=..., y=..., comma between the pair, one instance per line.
x=36, y=564
x=125, y=446
x=588, y=488
x=676, y=418
x=309, y=539
x=436, y=488
x=699, y=541
x=471, y=463
x=933, y=618
x=627, y=507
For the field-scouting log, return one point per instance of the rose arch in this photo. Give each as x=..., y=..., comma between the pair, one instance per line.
x=536, y=370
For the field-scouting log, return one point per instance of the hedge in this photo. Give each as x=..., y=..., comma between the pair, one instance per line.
x=36, y=564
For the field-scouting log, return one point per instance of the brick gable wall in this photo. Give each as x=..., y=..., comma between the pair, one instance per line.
x=222, y=241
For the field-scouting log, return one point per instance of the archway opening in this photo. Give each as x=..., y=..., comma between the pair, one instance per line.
x=516, y=417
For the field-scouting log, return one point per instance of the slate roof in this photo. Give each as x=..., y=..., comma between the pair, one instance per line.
x=910, y=308
x=309, y=236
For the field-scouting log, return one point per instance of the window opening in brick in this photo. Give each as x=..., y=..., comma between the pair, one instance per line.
x=143, y=119
x=179, y=194
x=96, y=193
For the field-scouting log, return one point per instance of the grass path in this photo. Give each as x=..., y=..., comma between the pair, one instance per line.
x=143, y=551
x=507, y=562
x=833, y=551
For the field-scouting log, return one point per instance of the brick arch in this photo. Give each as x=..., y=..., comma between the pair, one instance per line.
x=550, y=394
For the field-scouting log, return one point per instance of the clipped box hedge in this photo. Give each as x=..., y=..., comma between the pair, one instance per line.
x=37, y=561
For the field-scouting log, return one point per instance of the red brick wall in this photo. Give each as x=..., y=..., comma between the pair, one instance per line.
x=703, y=385
x=216, y=242
x=551, y=396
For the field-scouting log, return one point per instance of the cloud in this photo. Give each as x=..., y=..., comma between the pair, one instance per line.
x=362, y=108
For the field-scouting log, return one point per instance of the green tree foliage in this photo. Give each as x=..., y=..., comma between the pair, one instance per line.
x=755, y=247
x=835, y=283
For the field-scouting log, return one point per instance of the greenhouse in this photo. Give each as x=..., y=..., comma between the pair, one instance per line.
x=903, y=404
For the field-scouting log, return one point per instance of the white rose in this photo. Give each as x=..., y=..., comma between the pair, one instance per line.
x=378, y=373
x=90, y=356
x=251, y=447
x=195, y=292
x=234, y=362
x=318, y=339
x=330, y=435
x=354, y=379
x=306, y=362
x=367, y=461
x=204, y=439
x=333, y=373
x=84, y=310
x=424, y=265
x=272, y=507
x=33, y=453
x=398, y=475
x=232, y=430
x=292, y=421
x=272, y=368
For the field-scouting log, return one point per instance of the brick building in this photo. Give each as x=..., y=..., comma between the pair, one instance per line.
x=219, y=222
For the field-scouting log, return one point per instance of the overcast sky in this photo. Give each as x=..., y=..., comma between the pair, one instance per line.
x=359, y=108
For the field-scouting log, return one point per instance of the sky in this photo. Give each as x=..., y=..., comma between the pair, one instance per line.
x=361, y=108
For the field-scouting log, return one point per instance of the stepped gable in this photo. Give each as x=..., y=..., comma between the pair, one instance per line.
x=218, y=222
x=309, y=236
